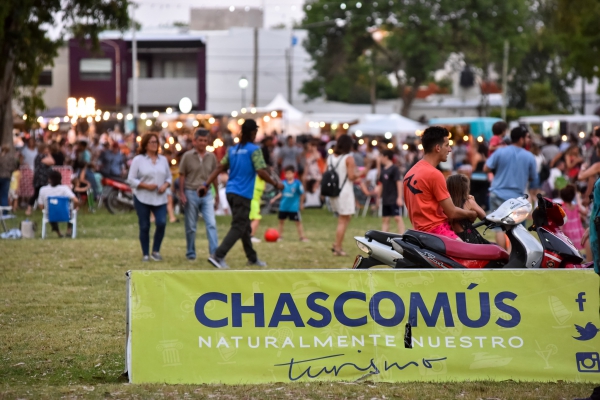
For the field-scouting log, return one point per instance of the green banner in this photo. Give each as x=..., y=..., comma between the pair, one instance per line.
x=385, y=325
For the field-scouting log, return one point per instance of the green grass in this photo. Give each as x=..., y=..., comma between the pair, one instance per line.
x=62, y=315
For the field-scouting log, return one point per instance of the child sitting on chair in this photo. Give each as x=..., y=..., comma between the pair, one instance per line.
x=55, y=189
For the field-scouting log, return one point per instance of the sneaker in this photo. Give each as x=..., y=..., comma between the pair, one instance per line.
x=156, y=256
x=257, y=263
x=217, y=262
x=255, y=240
x=145, y=258
x=191, y=258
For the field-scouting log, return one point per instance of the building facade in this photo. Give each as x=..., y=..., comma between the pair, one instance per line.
x=171, y=64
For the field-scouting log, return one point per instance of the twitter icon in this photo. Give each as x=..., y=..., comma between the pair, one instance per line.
x=587, y=333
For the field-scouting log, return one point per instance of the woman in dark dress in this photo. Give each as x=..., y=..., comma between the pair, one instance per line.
x=42, y=166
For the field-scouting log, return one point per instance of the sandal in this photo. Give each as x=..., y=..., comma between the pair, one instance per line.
x=303, y=239
x=338, y=253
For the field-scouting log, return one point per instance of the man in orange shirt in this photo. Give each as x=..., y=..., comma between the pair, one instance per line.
x=425, y=193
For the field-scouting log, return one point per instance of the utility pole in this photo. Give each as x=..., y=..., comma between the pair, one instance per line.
x=504, y=79
x=582, y=95
x=373, y=87
x=134, y=77
x=255, y=71
x=288, y=66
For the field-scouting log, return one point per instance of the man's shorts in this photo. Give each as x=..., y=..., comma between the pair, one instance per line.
x=391, y=210
x=444, y=229
x=255, y=210
x=292, y=216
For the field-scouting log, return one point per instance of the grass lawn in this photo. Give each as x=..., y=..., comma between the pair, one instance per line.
x=62, y=315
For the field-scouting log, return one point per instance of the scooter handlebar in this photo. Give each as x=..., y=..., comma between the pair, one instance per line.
x=480, y=223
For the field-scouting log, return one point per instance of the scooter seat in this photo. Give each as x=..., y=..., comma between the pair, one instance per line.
x=381, y=237
x=456, y=248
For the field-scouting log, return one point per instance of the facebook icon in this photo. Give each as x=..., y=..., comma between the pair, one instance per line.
x=580, y=299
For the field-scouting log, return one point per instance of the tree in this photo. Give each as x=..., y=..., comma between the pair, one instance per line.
x=416, y=43
x=337, y=40
x=26, y=47
x=483, y=26
x=576, y=28
x=355, y=45
x=541, y=99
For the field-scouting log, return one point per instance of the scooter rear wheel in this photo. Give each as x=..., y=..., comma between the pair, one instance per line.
x=114, y=205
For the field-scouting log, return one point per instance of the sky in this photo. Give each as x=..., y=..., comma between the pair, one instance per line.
x=155, y=13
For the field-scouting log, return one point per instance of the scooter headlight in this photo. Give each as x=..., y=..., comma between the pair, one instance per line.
x=518, y=215
x=363, y=247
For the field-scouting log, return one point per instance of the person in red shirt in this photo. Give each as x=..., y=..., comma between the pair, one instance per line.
x=497, y=140
x=425, y=192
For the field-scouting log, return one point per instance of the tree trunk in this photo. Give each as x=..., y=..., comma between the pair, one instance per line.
x=7, y=82
x=408, y=98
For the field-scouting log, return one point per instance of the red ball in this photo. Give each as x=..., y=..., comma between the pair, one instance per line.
x=271, y=235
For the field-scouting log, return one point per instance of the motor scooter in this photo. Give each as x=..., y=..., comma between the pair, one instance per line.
x=117, y=194
x=415, y=249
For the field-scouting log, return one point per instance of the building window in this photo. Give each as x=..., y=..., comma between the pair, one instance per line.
x=95, y=69
x=45, y=78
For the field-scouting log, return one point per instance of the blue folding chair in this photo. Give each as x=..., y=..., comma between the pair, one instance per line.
x=59, y=210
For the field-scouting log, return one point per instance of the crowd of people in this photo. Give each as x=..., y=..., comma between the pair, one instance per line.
x=442, y=185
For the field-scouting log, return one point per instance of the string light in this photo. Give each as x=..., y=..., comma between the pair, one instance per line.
x=211, y=149
x=179, y=125
x=129, y=117
x=388, y=135
x=171, y=140
x=155, y=114
x=582, y=134
x=390, y=146
x=405, y=147
x=345, y=126
x=253, y=110
x=240, y=121
x=195, y=123
x=374, y=142
x=169, y=110
x=211, y=120
x=165, y=124
x=322, y=125
x=274, y=114
x=361, y=141
x=143, y=115
x=564, y=138
x=148, y=122
x=89, y=120
x=236, y=140
x=480, y=139
x=243, y=110
x=119, y=116
x=420, y=147
x=266, y=118
x=138, y=139
x=178, y=147
x=234, y=114
x=166, y=145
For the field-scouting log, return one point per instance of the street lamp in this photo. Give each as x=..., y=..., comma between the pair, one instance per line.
x=243, y=83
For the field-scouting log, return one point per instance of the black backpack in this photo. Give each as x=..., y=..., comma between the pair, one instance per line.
x=330, y=183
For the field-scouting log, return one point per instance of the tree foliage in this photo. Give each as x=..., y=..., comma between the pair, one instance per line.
x=416, y=38
x=26, y=47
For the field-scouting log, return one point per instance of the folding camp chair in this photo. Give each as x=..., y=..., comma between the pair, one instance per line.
x=59, y=210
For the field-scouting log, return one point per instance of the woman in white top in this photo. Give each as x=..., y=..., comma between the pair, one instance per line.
x=150, y=177
x=344, y=204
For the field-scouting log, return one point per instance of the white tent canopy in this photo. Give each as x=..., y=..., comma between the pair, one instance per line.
x=397, y=125
x=292, y=119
